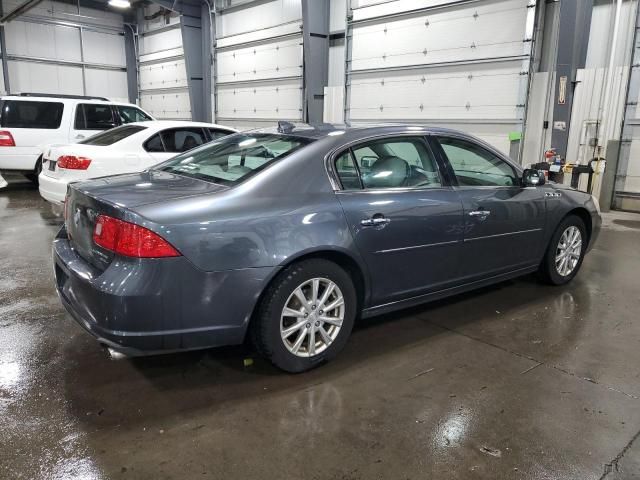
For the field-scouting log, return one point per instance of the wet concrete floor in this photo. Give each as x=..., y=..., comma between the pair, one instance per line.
x=519, y=380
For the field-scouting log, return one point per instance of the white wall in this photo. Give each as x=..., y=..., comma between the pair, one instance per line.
x=45, y=54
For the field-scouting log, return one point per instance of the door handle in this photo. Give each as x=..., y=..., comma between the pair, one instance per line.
x=79, y=137
x=374, y=221
x=480, y=213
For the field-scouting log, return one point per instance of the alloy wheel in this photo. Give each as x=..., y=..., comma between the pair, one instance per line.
x=312, y=317
x=568, y=251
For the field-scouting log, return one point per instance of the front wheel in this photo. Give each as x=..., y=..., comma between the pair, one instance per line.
x=565, y=252
x=306, y=315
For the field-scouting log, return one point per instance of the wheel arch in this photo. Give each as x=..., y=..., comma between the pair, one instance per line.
x=341, y=257
x=585, y=216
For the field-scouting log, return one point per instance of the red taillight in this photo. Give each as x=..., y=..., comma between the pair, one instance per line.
x=6, y=139
x=71, y=162
x=130, y=240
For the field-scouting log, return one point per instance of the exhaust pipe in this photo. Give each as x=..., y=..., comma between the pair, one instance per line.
x=115, y=355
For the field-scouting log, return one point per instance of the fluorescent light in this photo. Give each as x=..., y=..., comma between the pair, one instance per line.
x=336, y=132
x=120, y=3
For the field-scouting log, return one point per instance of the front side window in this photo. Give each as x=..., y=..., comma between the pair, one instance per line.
x=26, y=114
x=178, y=140
x=389, y=163
x=92, y=116
x=114, y=135
x=131, y=114
x=234, y=158
x=474, y=166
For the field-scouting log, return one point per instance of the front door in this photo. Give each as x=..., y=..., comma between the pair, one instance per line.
x=406, y=222
x=504, y=222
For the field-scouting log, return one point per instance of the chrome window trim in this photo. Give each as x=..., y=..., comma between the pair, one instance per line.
x=330, y=157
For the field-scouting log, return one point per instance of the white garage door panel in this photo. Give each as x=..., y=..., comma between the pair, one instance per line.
x=39, y=77
x=460, y=33
x=452, y=92
x=261, y=15
x=107, y=83
x=174, y=105
x=282, y=101
x=163, y=75
x=155, y=42
x=104, y=48
x=272, y=60
x=43, y=41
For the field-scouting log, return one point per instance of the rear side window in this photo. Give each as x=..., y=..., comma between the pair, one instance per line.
x=114, y=135
x=388, y=163
x=154, y=144
x=25, y=114
x=91, y=116
x=182, y=139
x=131, y=114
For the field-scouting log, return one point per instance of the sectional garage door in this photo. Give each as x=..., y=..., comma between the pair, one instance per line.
x=462, y=64
x=164, y=90
x=258, y=78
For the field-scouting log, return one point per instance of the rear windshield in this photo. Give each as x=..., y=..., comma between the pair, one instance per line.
x=114, y=135
x=234, y=158
x=26, y=114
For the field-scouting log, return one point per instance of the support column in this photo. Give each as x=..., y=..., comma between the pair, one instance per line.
x=3, y=47
x=315, y=34
x=573, y=38
x=191, y=28
x=131, y=58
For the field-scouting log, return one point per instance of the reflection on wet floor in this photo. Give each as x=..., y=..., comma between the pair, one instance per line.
x=518, y=380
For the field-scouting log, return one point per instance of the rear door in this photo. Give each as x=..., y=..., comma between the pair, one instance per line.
x=90, y=119
x=31, y=123
x=405, y=219
x=503, y=221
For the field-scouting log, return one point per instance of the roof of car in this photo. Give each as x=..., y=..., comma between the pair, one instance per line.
x=179, y=123
x=327, y=129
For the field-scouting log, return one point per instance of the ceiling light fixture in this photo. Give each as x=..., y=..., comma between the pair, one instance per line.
x=120, y=3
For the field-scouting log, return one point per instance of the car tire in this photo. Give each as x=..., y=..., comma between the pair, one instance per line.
x=565, y=252
x=33, y=177
x=271, y=324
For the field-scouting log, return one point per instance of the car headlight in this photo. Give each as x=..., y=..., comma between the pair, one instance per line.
x=596, y=203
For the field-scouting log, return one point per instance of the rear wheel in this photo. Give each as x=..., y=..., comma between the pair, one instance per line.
x=33, y=177
x=306, y=315
x=565, y=252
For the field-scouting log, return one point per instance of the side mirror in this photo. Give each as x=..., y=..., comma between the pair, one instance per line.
x=532, y=178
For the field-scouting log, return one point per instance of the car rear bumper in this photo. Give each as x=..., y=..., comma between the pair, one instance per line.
x=148, y=306
x=52, y=189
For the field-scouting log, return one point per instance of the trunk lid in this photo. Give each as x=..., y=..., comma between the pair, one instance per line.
x=136, y=189
x=116, y=196
x=52, y=153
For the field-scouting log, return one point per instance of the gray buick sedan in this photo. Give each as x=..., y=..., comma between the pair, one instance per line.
x=287, y=235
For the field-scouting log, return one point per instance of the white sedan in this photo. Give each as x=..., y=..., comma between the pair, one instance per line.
x=129, y=148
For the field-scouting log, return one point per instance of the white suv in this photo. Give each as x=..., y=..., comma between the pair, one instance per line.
x=28, y=122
